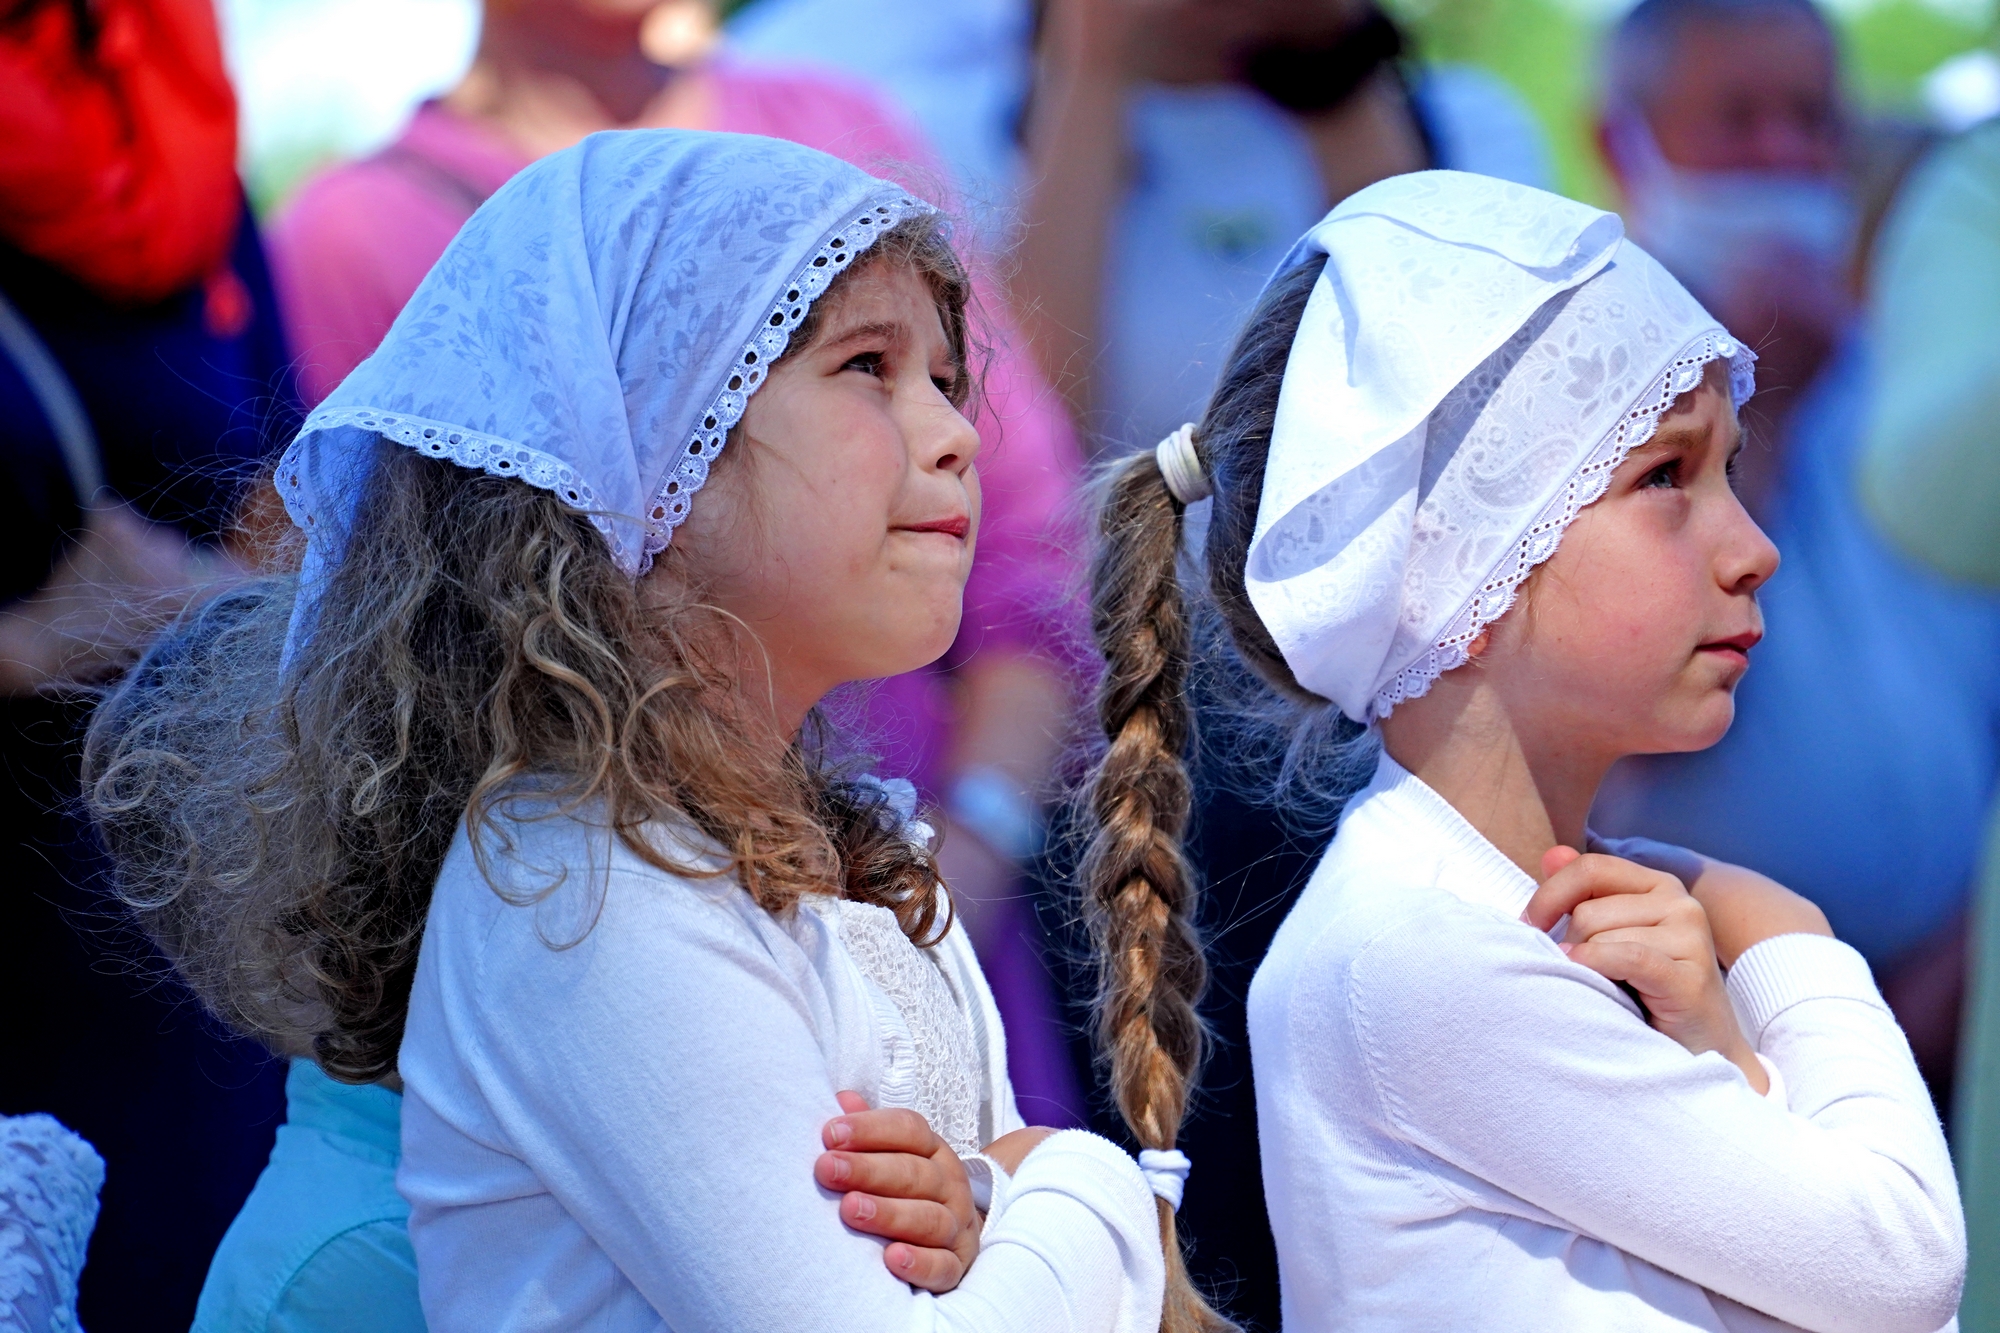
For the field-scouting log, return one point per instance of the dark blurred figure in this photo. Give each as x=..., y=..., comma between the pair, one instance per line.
x=1867, y=734
x=1931, y=475
x=142, y=374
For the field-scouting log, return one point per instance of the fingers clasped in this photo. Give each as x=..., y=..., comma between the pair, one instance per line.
x=1640, y=926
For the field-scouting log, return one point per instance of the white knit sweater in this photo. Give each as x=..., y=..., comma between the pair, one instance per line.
x=1462, y=1129
x=615, y=1085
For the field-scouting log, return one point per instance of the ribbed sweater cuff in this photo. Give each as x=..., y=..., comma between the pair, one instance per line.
x=1773, y=975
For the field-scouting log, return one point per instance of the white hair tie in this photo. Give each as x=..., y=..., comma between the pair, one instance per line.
x=1166, y=1171
x=1181, y=466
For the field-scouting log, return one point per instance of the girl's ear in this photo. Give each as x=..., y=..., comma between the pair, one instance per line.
x=1477, y=648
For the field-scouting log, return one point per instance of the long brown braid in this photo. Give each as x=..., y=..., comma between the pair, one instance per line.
x=1139, y=893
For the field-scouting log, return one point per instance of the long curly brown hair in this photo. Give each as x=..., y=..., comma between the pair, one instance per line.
x=279, y=834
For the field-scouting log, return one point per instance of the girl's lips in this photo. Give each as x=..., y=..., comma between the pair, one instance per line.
x=955, y=526
x=1736, y=646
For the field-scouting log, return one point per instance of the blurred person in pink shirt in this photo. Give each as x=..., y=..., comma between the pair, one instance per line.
x=981, y=730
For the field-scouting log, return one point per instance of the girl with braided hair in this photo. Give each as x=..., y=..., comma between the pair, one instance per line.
x=1470, y=523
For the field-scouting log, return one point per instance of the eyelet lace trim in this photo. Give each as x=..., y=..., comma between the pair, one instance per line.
x=502, y=457
x=670, y=505
x=491, y=454
x=1586, y=485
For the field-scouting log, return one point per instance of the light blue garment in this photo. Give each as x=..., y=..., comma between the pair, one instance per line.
x=322, y=1244
x=1223, y=184
x=1224, y=181
x=1867, y=734
x=595, y=329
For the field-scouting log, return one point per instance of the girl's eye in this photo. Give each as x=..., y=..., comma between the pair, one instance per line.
x=868, y=363
x=1666, y=476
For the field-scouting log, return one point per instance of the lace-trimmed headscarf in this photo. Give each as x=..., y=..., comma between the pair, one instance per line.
x=595, y=329
x=1474, y=362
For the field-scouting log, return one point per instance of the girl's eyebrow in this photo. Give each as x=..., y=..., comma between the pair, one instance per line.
x=1689, y=438
x=886, y=329
x=1674, y=437
x=1666, y=441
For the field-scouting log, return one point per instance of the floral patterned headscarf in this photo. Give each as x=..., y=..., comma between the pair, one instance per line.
x=1475, y=361
x=595, y=329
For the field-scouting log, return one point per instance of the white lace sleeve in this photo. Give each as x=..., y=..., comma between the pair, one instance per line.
x=49, y=1180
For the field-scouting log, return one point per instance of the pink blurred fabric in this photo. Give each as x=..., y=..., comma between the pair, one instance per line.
x=349, y=249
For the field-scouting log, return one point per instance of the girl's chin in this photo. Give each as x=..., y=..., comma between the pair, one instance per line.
x=897, y=654
x=1701, y=728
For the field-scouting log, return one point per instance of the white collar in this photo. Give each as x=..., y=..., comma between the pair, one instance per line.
x=1467, y=865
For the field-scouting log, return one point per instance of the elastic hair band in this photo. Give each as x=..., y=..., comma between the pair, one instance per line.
x=1166, y=1171
x=1181, y=466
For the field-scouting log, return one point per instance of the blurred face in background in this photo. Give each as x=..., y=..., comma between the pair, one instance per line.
x=1727, y=134
x=608, y=27
x=1758, y=93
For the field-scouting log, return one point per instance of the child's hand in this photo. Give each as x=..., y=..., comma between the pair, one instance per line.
x=1744, y=907
x=902, y=1182
x=1641, y=926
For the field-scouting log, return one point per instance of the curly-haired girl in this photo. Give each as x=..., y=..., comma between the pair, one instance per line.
x=516, y=789
x=1470, y=503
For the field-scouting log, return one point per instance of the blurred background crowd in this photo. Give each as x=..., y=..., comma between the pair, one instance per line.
x=211, y=211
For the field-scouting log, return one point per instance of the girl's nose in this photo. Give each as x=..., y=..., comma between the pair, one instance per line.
x=1750, y=558
x=950, y=442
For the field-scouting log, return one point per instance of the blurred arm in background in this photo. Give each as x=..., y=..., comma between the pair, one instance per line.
x=118, y=584
x=1931, y=473
x=1326, y=63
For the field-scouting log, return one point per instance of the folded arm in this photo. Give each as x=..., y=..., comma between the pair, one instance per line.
x=677, y=1115
x=1841, y=1213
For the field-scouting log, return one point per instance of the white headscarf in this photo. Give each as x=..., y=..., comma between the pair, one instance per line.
x=1474, y=362
x=595, y=330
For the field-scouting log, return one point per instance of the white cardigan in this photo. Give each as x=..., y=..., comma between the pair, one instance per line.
x=614, y=1093
x=1462, y=1129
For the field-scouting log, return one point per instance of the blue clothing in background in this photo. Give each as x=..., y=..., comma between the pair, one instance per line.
x=1224, y=181
x=183, y=399
x=323, y=1244
x=1862, y=762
